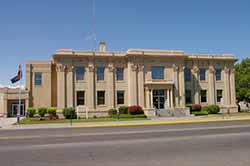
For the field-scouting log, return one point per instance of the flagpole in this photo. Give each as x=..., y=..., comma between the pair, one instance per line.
x=19, y=105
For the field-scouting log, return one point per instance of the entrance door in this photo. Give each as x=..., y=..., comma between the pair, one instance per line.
x=159, y=98
x=14, y=110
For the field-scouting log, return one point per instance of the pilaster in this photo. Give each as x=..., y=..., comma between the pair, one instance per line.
x=141, y=86
x=176, y=85
x=132, y=84
x=232, y=84
x=181, y=86
x=111, y=85
x=211, y=85
x=91, y=99
x=60, y=86
x=227, y=94
x=196, y=87
x=70, y=86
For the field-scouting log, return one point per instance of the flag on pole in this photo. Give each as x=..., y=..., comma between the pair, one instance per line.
x=18, y=76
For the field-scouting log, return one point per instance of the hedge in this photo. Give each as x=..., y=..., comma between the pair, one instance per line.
x=200, y=113
x=69, y=113
x=31, y=112
x=123, y=110
x=51, y=111
x=42, y=111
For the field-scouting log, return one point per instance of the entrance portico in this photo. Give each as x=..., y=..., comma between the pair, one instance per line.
x=159, y=95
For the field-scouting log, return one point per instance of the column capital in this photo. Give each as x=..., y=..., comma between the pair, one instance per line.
x=91, y=68
x=175, y=67
x=211, y=69
x=70, y=68
x=140, y=67
x=181, y=68
x=60, y=68
x=134, y=67
x=111, y=68
x=232, y=70
x=195, y=69
x=226, y=69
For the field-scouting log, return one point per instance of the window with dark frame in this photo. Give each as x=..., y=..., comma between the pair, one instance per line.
x=157, y=72
x=187, y=74
x=219, y=94
x=218, y=74
x=80, y=98
x=119, y=73
x=188, y=96
x=100, y=97
x=203, y=96
x=202, y=74
x=80, y=72
x=120, y=97
x=100, y=73
x=38, y=78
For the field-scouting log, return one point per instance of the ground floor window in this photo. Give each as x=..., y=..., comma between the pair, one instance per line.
x=219, y=95
x=120, y=97
x=100, y=97
x=80, y=98
x=203, y=96
x=188, y=96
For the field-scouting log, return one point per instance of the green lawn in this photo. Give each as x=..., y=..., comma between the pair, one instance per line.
x=231, y=114
x=123, y=117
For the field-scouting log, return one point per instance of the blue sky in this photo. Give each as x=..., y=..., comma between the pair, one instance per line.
x=34, y=29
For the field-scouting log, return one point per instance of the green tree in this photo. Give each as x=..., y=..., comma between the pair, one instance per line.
x=242, y=79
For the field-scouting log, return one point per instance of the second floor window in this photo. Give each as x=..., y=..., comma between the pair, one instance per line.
x=187, y=74
x=80, y=71
x=202, y=74
x=100, y=73
x=157, y=72
x=218, y=74
x=38, y=78
x=119, y=73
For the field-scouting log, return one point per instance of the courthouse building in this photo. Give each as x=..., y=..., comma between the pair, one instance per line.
x=165, y=80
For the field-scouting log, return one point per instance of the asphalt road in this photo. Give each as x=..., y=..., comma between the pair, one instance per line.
x=202, y=144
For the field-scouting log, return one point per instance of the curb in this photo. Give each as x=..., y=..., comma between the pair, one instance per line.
x=160, y=123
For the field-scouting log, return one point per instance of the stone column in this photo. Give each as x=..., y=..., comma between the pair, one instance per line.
x=211, y=86
x=176, y=85
x=5, y=106
x=91, y=87
x=168, y=98
x=111, y=85
x=226, y=96
x=182, y=86
x=196, y=87
x=61, y=104
x=232, y=84
x=147, y=97
x=132, y=87
x=171, y=98
x=141, y=86
x=70, y=86
x=151, y=99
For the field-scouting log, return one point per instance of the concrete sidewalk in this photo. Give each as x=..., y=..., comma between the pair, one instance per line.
x=155, y=121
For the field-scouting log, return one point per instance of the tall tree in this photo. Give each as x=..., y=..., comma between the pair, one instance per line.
x=242, y=79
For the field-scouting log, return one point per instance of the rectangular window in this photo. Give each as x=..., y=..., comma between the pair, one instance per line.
x=120, y=97
x=157, y=72
x=100, y=73
x=202, y=74
x=38, y=78
x=219, y=95
x=80, y=98
x=187, y=74
x=218, y=74
x=188, y=96
x=203, y=96
x=100, y=97
x=119, y=73
x=80, y=71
